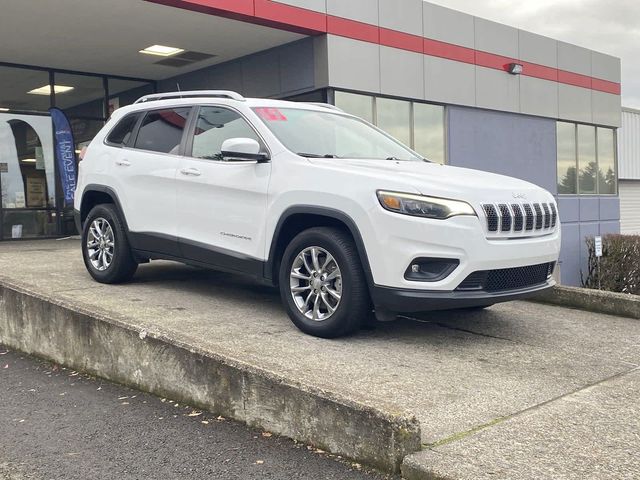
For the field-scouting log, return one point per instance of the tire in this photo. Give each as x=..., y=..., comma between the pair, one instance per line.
x=122, y=266
x=353, y=306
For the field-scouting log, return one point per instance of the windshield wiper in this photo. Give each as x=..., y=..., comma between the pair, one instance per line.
x=315, y=155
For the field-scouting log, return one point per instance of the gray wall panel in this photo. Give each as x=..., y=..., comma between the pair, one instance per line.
x=605, y=67
x=496, y=38
x=569, y=209
x=609, y=208
x=295, y=71
x=609, y=227
x=538, y=97
x=354, y=64
x=570, y=254
x=317, y=5
x=360, y=10
x=448, y=81
x=497, y=90
x=402, y=15
x=537, y=49
x=589, y=209
x=574, y=59
x=519, y=146
x=447, y=25
x=402, y=73
x=574, y=103
x=260, y=78
x=607, y=109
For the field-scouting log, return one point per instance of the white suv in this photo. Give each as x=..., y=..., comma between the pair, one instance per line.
x=338, y=214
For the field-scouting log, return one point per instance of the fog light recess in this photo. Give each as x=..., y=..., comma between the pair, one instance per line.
x=430, y=269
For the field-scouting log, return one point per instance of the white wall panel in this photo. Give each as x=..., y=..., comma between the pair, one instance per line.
x=360, y=10
x=574, y=59
x=630, y=207
x=401, y=73
x=629, y=145
x=538, y=97
x=402, y=15
x=317, y=5
x=496, y=38
x=605, y=67
x=446, y=25
x=537, y=49
x=497, y=90
x=606, y=108
x=354, y=64
x=448, y=81
x=574, y=103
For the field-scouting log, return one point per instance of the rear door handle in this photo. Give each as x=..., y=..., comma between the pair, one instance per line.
x=123, y=163
x=193, y=172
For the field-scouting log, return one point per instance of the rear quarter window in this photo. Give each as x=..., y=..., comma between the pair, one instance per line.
x=122, y=132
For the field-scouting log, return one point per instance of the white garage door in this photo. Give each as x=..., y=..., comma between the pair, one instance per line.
x=630, y=206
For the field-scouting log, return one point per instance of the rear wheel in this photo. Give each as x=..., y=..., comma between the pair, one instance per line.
x=322, y=284
x=105, y=247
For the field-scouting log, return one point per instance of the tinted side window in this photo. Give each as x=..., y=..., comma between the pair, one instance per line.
x=215, y=125
x=161, y=130
x=122, y=132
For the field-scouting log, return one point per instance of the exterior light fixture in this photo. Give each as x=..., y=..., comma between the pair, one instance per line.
x=3, y=109
x=515, y=68
x=46, y=89
x=162, y=50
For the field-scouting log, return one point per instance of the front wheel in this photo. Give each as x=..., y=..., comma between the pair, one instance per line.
x=322, y=284
x=105, y=247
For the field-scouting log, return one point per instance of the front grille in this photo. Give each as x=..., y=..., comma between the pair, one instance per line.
x=520, y=217
x=507, y=278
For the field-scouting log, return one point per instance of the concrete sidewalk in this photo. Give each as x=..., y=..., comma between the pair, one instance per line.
x=491, y=392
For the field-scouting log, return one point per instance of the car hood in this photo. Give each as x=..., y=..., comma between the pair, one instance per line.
x=473, y=186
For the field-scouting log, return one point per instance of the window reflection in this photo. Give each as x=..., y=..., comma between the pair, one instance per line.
x=606, y=162
x=358, y=105
x=428, y=131
x=567, y=158
x=394, y=117
x=588, y=167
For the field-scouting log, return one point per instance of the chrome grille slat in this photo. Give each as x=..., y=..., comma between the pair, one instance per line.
x=518, y=218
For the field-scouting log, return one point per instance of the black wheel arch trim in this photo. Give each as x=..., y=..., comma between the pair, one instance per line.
x=93, y=187
x=328, y=212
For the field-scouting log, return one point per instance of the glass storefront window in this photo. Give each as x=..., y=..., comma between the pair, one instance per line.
x=587, y=164
x=606, y=162
x=86, y=99
x=567, y=158
x=16, y=85
x=358, y=105
x=428, y=131
x=394, y=117
x=21, y=223
x=125, y=92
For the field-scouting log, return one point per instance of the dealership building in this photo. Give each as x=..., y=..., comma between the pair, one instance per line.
x=458, y=89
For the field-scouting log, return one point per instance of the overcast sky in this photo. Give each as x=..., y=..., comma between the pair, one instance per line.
x=608, y=26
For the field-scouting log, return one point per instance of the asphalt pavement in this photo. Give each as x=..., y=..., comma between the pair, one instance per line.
x=59, y=424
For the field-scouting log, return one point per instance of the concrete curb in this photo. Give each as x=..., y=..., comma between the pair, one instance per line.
x=598, y=301
x=98, y=344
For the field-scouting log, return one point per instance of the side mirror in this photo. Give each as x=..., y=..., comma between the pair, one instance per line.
x=242, y=150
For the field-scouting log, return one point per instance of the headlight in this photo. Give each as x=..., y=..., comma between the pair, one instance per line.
x=423, y=206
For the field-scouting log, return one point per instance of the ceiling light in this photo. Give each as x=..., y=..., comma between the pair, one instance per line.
x=46, y=89
x=28, y=160
x=162, y=50
x=2, y=109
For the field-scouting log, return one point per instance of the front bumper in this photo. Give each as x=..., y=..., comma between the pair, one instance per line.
x=404, y=300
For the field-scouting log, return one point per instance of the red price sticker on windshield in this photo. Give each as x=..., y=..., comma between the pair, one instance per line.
x=271, y=114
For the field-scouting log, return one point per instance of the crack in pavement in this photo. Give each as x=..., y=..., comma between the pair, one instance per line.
x=496, y=421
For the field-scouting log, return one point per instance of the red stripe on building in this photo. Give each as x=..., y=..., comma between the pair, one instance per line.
x=401, y=40
x=436, y=48
x=352, y=29
x=310, y=22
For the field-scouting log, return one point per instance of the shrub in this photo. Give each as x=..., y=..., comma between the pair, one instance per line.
x=619, y=264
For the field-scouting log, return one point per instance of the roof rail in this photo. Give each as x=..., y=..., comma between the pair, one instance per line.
x=326, y=105
x=191, y=94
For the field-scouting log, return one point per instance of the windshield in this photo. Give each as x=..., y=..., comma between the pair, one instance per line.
x=312, y=133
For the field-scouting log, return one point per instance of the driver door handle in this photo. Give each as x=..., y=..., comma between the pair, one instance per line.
x=192, y=172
